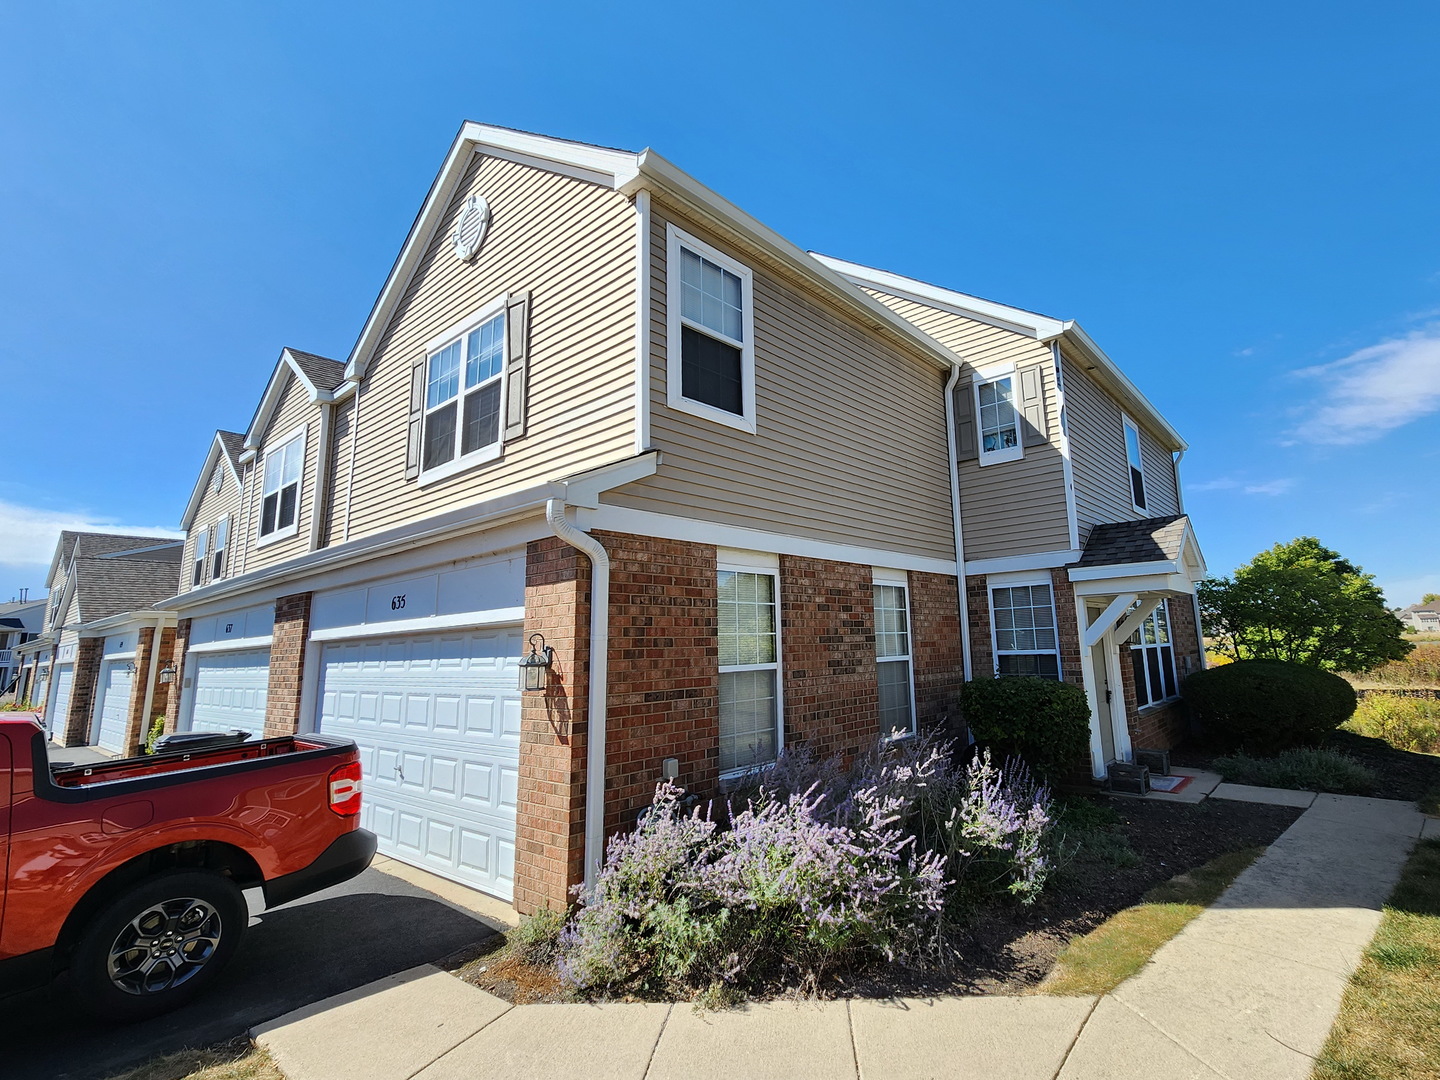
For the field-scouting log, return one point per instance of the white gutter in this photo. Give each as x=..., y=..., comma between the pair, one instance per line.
x=1175, y=469
x=950, y=384
x=597, y=701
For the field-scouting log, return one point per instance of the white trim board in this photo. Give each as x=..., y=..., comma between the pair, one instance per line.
x=465, y=620
x=1040, y=560
x=238, y=644
x=666, y=527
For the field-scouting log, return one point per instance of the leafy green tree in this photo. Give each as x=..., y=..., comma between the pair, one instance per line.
x=1429, y=596
x=1303, y=603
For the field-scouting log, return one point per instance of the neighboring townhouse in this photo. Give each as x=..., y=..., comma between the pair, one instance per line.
x=20, y=621
x=95, y=671
x=595, y=402
x=1422, y=617
x=1080, y=562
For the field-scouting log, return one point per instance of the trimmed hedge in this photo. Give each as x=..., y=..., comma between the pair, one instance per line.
x=1044, y=723
x=1266, y=706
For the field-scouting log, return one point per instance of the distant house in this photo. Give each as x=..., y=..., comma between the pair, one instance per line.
x=1423, y=617
x=93, y=670
x=20, y=621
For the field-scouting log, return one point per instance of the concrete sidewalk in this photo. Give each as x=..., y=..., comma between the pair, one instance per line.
x=1247, y=990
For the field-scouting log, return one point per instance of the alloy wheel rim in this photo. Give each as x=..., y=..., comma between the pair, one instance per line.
x=164, y=946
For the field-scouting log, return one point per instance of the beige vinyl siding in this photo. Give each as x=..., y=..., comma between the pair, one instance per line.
x=1097, y=452
x=849, y=444
x=342, y=438
x=571, y=244
x=211, y=506
x=1013, y=507
x=295, y=409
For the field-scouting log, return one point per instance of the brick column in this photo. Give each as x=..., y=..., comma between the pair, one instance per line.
x=936, y=650
x=827, y=633
x=88, y=652
x=550, y=821
x=1069, y=629
x=287, y=662
x=164, y=692
x=176, y=658
x=977, y=601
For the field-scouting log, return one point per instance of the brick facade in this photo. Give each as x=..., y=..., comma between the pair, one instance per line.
x=827, y=636
x=550, y=821
x=137, y=724
x=88, y=653
x=1067, y=629
x=180, y=644
x=936, y=650
x=287, y=663
x=977, y=605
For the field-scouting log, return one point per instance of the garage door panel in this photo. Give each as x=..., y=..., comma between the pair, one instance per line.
x=441, y=769
x=115, y=689
x=60, y=710
x=230, y=691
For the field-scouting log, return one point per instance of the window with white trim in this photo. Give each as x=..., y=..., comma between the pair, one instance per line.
x=1136, y=465
x=749, y=669
x=202, y=543
x=711, y=366
x=1023, y=617
x=280, y=493
x=463, y=395
x=1153, y=657
x=894, y=673
x=222, y=544
x=997, y=420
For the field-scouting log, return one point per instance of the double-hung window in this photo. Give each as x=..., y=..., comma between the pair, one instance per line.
x=892, y=657
x=280, y=493
x=1136, y=465
x=1025, y=639
x=222, y=543
x=711, y=369
x=202, y=543
x=998, y=421
x=749, y=643
x=463, y=396
x=1153, y=657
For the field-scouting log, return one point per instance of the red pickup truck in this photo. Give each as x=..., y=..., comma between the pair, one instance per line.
x=128, y=874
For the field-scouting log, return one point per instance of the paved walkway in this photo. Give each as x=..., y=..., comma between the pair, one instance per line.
x=1247, y=991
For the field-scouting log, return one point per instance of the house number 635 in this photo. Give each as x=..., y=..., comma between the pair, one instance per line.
x=397, y=602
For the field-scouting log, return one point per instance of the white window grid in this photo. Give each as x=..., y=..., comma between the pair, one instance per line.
x=281, y=479
x=1135, y=465
x=463, y=420
x=893, y=659
x=1156, y=679
x=1022, y=620
x=997, y=421
x=202, y=543
x=222, y=544
x=751, y=711
x=712, y=308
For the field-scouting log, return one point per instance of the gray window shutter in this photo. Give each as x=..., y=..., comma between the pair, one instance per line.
x=1032, y=406
x=417, y=415
x=967, y=446
x=517, y=364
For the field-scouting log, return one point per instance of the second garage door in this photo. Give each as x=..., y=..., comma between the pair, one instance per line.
x=230, y=691
x=115, y=684
x=437, y=720
x=60, y=708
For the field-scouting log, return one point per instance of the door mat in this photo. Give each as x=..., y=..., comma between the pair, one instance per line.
x=1169, y=784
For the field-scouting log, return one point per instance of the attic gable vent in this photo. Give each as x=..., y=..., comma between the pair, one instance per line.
x=470, y=229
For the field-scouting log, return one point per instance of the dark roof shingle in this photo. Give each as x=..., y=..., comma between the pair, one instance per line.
x=325, y=373
x=112, y=585
x=1147, y=540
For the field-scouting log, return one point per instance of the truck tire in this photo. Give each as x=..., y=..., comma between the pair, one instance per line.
x=158, y=944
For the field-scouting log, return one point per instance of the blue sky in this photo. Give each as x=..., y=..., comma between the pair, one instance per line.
x=1237, y=201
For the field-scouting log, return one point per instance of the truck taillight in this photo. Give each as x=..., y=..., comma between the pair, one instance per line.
x=345, y=789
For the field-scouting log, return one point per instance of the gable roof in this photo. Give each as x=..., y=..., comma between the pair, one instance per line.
x=1042, y=328
x=226, y=446
x=320, y=376
x=1119, y=543
x=1433, y=605
x=73, y=543
x=628, y=173
x=114, y=584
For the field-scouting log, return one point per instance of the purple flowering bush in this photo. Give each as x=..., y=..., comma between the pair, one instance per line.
x=819, y=869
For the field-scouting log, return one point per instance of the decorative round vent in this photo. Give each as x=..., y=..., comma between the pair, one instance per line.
x=470, y=229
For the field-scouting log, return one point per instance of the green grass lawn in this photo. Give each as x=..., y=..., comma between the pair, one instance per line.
x=1124, y=943
x=1389, y=1022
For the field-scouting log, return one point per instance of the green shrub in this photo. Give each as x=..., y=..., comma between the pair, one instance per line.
x=1406, y=723
x=536, y=940
x=1044, y=723
x=1304, y=769
x=1265, y=706
x=157, y=729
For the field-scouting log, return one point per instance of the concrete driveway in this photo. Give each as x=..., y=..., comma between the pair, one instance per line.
x=374, y=926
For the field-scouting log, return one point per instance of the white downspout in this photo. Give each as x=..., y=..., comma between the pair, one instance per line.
x=1175, y=471
x=955, y=506
x=599, y=678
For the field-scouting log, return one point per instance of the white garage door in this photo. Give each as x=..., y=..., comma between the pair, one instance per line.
x=60, y=707
x=114, y=706
x=437, y=720
x=230, y=691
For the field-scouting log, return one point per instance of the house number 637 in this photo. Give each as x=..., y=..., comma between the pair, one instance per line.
x=397, y=602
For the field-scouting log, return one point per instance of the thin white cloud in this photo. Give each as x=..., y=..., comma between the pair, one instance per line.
x=1374, y=390
x=1270, y=487
x=1220, y=483
x=28, y=534
x=1230, y=483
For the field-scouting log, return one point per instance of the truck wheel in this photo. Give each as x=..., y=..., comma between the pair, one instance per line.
x=158, y=944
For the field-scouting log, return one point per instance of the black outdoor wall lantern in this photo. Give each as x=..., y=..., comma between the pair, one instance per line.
x=535, y=668
x=167, y=673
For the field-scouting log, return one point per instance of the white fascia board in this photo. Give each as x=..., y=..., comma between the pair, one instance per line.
x=125, y=620
x=1040, y=560
x=1004, y=316
x=217, y=451
x=583, y=489
x=464, y=620
x=1119, y=384
x=711, y=207
x=270, y=400
x=1123, y=570
x=263, y=641
x=1167, y=584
